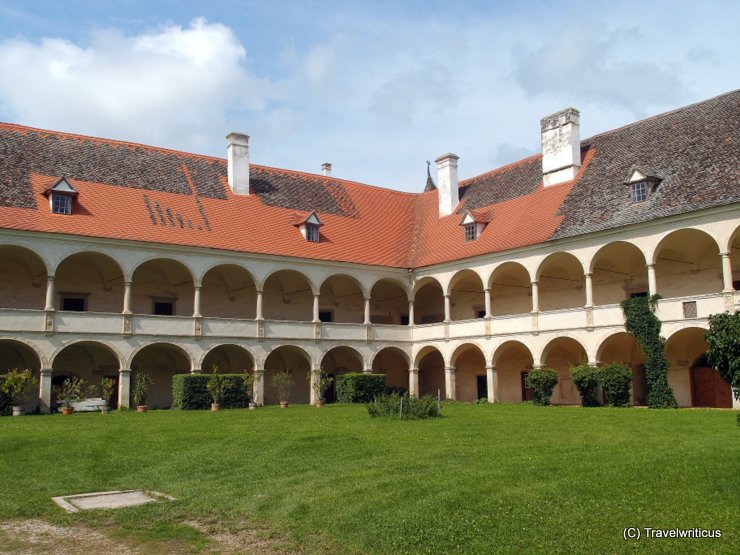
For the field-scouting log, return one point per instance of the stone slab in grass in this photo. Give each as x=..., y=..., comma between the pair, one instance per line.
x=109, y=499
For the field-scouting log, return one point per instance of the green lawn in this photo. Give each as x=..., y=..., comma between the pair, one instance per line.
x=484, y=478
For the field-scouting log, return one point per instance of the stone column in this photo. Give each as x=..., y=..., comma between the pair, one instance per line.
x=589, y=290
x=50, y=293
x=314, y=379
x=259, y=316
x=411, y=313
x=535, y=297
x=450, y=382
x=196, y=303
x=367, y=311
x=45, y=390
x=124, y=388
x=258, y=387
x=652, y=284
x=492, y=380
x=727, y=273
x=414, y=382
x=316, y=308
x=127, y=297
x=447, y=308
x=487, y=301
x=196, y=370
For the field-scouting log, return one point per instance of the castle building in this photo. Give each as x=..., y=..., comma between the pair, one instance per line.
x=117, y=256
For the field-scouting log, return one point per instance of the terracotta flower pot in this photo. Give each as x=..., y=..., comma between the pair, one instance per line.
x=283, y=404
x=320, y=403
x=17, y=411
x=252, y=406
x=141, y=408
x=215, y=407
x=67, y=411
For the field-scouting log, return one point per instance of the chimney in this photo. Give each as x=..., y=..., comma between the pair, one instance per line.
x=237, y=148
x=447, y=183
x=326, y=169
x=561, y=146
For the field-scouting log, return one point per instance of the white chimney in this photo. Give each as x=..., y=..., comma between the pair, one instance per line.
x=237, y=148
x=326, y=169
x=447, y=183
x=561, y=146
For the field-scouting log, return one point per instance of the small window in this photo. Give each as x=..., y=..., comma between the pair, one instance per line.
x=404, y=319
x=638, y=294
x=480, y=313
x=471, y=231
x=163, y=307
x=326, y=316
x=639, y=191
x=61, y=204
x=689, y=309
x=312, y=233
x=74, y=303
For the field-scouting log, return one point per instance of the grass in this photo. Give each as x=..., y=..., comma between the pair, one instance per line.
x=484, y=478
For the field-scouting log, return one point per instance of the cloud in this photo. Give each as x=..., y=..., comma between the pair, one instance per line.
x=173, y=86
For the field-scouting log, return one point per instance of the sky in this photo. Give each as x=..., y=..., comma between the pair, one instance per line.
x=376, y=88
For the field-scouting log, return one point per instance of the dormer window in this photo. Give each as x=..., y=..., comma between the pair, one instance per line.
x=473, y=223
x=471, y=233
x=61, y=196
x=312, y=233
x=639, y=191
x=641, y=184
x=309, y=226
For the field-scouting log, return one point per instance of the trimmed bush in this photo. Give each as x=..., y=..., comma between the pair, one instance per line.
x=359, y=387
x=5, y=401
x=190, y=392
x=542, y=381
x=615, y=380
x=586, y=380
x=404, y=407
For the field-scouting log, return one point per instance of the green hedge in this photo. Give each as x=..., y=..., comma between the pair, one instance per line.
x=616, y=380
x=189, y=392
x=542, y=381
x=586, y=380
x=5, y=401
x=402, y=406
x=359, y=387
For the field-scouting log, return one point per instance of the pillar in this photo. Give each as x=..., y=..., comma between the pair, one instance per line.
x=450, y=382
x=414, y=382
x=196, y=303
x=259, y=316
x=411, y=312
x=196, y=370
x=127, y=297
x=727, y=273
x=487, y=296
x=315, y=383
x=124, y=388
x=367, y=311
x=652, y=285
x=45, y=390
x=535, y=297
x=258, y=387
x=492, y=380
x=589, y=290
x=316, y=307
x=49, y=293
x=447, y=308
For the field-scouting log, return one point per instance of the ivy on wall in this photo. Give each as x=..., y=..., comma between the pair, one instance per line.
x=644, y=325
x=723, y=352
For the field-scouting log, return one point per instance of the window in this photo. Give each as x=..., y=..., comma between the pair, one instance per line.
x=638, y=294
x=404, y=319
x=312, y=233
x=326, y=316
x=480, y=313
x=74, y=303
x=163, y=307
x=61, y=204
x=639, y=191
x=689, y=309
x=471, y=231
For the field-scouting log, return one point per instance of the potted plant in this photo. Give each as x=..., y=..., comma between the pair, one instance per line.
x=320, y=386
x=107, y=385
x=142, y=381
x=73, y=390
x=248, y=384
x=217, y=386
x=18, y=385
x=283, y=383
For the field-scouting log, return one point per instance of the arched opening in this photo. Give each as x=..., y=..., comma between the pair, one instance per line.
x=89, y=282
x=341, y=300
x=337, y=361
x=618, y=272
x=735, y=259
x=512, y=361
x=470, y=373
x=287, y=296
x=228, y=359
x=161, y=361
x=560, y=279
x=429, y=305
x=466, y=296
x=694, y=383
x=228, y=291
x=163, y=287
x=298, y=362
x=622, y=348
x=389, y=303
x=561, y=355
x=88, y=360
x=16, y=355
x=394, y=363
x=431, y=365
x=23, y=283
x=687, y=262
x=511, y=290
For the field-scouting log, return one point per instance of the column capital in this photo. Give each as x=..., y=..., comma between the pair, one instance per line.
x=259, y=371
x=197, y=286
x=725, y=254
x=534, y=282
x=446, y=295
x=50, y=277
x=124, y=370
x=413, y=370
x=490, y=367
x=587, y=274
x=487, y=289
x=449, y=368
x=46, y=371
x=650, y=266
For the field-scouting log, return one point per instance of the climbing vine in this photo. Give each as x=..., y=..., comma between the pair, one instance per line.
x=644, y=325
x=723, y=352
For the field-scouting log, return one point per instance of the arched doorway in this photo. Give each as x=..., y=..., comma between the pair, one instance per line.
x=298, y=362
x=622, y=348
x=161, y=361
x=337, y=361
x=470, y=373
x=561, y=354
x=708, y=389
x=394, y=363
x=16, y=355
x=23, y=283
x=431, y=365
x=512, y=361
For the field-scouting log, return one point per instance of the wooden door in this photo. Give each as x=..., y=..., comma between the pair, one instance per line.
x=708, y=389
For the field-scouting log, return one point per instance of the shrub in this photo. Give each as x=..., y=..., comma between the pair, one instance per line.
x=5, y=401
x=190, y=392
x=723, y=347
x=218, y=386
x=18, y=385
x=73, y=390
x=142, y=381
x=359, y=387
x=402, y=406
x=615, y=380
x=586, y=379
x=542, y=381
x=283, y=382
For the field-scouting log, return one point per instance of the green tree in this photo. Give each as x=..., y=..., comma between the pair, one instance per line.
x=723, y=352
